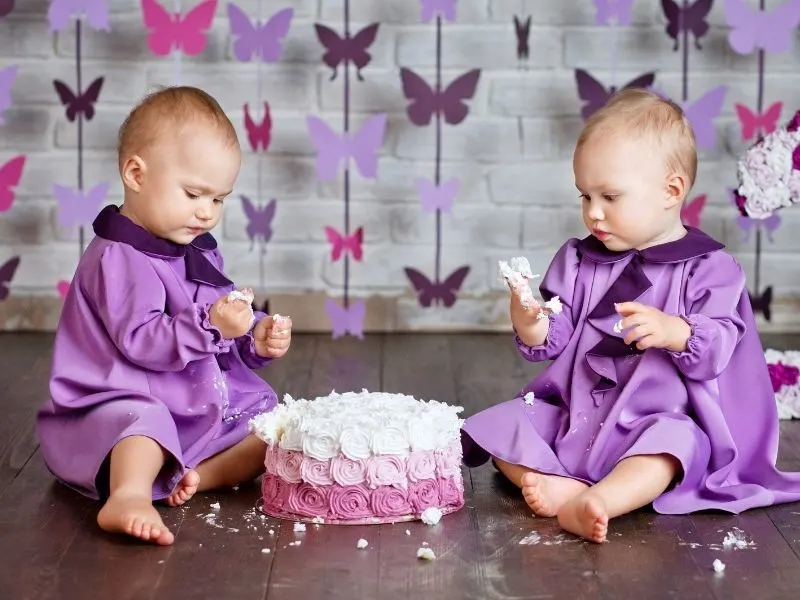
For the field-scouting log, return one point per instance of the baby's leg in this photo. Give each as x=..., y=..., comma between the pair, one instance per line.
x=135, y=464
x=241, y=462
x=545, y=494
x=634, y=482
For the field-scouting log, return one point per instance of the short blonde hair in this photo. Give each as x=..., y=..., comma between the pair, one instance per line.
x=169, y=107
x=641, y=112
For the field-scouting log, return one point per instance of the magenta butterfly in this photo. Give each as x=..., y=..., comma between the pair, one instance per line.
x=79, y=105
x=10, y=176
x=333, y=148
x=259, y=40
x=259, y=219
x=170, y=31
x=62, y=287
x=771, y=31
x=345, y=243
x=76, y=207
x=258, y=134
x=595, y=95
x=7, y=272
x=348, y=320
x=426, y=102
x=691, y=18
x=752, y=123
x=7, y=77
x=436, y=292
x=439, y=197
x=348, y=49
x=691, y=211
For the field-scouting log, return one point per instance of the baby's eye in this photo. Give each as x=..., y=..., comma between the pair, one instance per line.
x=219, y=200
x=609, y=197
x=584, y=197
x=190, y=195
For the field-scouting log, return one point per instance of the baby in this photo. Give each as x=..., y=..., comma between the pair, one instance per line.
x=152, y=380
x=658, y=390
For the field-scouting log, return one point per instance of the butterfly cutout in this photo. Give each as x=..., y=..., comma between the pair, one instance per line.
x=345, y=243
x=753, y=123
x=258, y=134
x=7, y=272
x=76, y=207
x=259, y=219
x=439, y=197
x=170, y=31
x=444, y=292
x=346, y=320
x=61, y=11
x=426, y=102
x=62, y=287
x=82, y=104
x=762, y=303
x=522, y=31
x=618, y=10
x=10, y=176
x=348, y=49
x=771, y=31
x=595, y=95
x=6, y=6
x=432, y=8
x=691, y=18
x=746, y=224
x=702, y=112
x=7, y=77
x=691, y=211
x=333, y=148
x=259, y=40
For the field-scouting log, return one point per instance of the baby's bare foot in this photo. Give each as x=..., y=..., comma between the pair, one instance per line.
x=546, y=494
x=134, y=515
x=186, y=488
x=585, y=516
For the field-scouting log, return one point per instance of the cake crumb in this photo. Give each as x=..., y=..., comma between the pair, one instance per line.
x=265, y=551
x=529, y=398
x=362, y=543
x=317, y=520
x=299, y=527
x=272, y=532
x=426, y=554
x=214, y=506
x=718, y=565
x=295, y=543
x=408, y=532
x=431, y=515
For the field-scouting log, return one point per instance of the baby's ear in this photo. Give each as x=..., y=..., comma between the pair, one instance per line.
x=676, y=189
x=133, y=170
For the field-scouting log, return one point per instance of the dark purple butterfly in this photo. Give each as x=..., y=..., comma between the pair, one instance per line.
x=522, y=30
x=763, y=303
x=6, y=6
x=595, y=95
x=7, y=272
x=690, y=18
x=259, y=219
x=436, y=292
x=426, y=102
x=350, y=48
x=83, y=104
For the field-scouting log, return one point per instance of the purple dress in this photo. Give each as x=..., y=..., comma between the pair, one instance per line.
x=135, y=354
x=711, y=407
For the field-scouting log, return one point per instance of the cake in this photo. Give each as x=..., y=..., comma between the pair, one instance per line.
x=360, y=457
x=784, y=372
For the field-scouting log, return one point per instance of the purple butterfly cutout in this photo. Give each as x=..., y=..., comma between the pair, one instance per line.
x=426, y=102
x=435, y=198
x=259, y=219
x=346, y=49
x=762, y=303
x=691, y=18
x=746, y=224
x=771, y=31
x=76, y=105
x=95, y=11
x=618, y=10
x=522, y=31
x=437, y=292
x=431, y=8
x=7, y=272
x=76, y=207
x=260, y=40
x=7, y=77
x=6, y=6
x=333, y=148
x=595, y=95
x=348, y=320
x=702, y=112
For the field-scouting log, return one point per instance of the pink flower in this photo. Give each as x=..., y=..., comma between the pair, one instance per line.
x=349, y=502
x=316, y=472
x=389, y=501
x=384, y=469
x=309, y=501
x=421, y=465
x=424, y=494
x=345, y=471
x=782, y=375
x=274, y=491
x=796, y=158
x=758, y=165
x=448, y=462
x=794, y=124
x=451, y=494
x=271, y=460
x=288, y=466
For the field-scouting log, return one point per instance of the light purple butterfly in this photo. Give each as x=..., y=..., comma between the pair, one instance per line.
x=348, y=320
x=7, y=77
x=333, y=148
x=76, y=207
x=435, y=198
x=702, y=112
x=255, y=39
x=61, y=11
x=431, y=8
x=746, y=224
x=618, y=10
x=259, y=219
x=751, y=28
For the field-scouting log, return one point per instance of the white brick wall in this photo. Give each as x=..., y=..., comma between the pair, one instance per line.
x=512, y=154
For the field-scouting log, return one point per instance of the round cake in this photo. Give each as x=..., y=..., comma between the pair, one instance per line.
x=361, y=457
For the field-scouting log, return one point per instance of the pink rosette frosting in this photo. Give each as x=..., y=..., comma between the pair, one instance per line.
x=345, y=471
x=385, y=469
x=448, y=462
x=274, y=490
x=309, y=501
x=421, y=465
x=316, y=472
x=270, y=460
x=288, y=465
x=424, y=494
x=450, y=493
x=349, y=502
x=387, y=501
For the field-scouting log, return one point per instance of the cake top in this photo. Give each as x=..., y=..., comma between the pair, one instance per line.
x=359, y=424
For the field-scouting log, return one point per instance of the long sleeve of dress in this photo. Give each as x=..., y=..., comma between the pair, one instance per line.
x=713, y=294
x=559, y=280
x=130, y=300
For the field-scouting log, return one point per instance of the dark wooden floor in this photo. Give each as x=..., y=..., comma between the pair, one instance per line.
x=50, y=546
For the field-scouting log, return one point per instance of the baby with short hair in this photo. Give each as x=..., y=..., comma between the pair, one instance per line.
x=152, y=381
x=658, y=391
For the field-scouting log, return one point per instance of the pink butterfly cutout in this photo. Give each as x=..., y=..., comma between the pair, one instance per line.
x=10, y=176
x=170, y=31
x=437, y=292
x=435, y=198
x=771, y=31
x=76, y=207
x=691, y=211
x=63, y=288
x=752, y=123
x=7, y=77
x=345, y=243
x=348, y=320
x=258, y=134
x=259, y=40
x=333, y=148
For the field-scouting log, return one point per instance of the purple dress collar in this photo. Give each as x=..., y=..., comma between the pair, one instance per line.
x=693, y=245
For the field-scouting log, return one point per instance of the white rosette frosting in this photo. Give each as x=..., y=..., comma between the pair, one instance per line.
x=355, y=441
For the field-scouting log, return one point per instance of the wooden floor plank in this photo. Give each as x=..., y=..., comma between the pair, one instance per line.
x=346, y=364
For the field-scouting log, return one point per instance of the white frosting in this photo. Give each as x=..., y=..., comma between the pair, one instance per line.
x=359, y=424
x=245, y=295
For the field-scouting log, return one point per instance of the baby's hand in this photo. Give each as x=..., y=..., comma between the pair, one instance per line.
x=233, y=318
x=651, y=328
x=272, y=336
